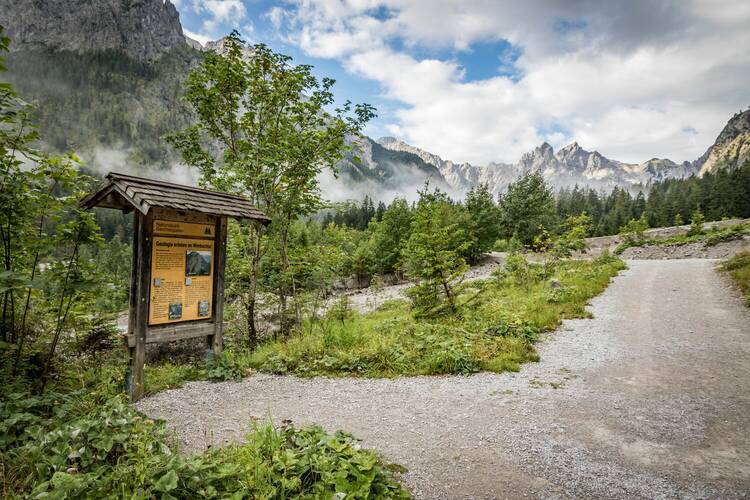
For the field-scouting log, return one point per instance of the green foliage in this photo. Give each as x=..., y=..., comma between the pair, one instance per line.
x=223, y=367
x=527, y=209
x=266, y=129
x=76, y=445
x=484, y=220
x=341, y=310
x=517, y=271
x=573, y=239
x=112, y=263
x=738, y=267
x=508, y=245
x=696, y=223
x=46, y=283
x=433, y=254
x=633, y=232
x=389, y=236
x=494, y=331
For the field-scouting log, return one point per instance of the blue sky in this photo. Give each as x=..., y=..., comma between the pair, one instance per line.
x=480, y=60
x=256, y=27
x=487, y=80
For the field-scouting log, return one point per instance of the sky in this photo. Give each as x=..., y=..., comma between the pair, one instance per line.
x=488, y=80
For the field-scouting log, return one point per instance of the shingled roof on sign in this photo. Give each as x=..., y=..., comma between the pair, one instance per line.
x=127, y=192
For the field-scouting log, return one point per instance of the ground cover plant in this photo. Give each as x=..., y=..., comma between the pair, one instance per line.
x=738, y=267
x=493, y=330
x=92, y=444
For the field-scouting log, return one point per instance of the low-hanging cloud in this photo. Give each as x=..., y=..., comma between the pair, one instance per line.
x=103, y=160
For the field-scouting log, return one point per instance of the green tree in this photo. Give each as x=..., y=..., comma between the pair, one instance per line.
x=633, y=231
x=484, y=220
x=389, y=236
x=573, y=239
x=265, y=129
x=433, y=255
x=40, y=223
x=527, y=209
x=696, y=223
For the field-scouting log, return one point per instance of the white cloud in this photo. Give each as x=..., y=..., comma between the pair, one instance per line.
x=632, y=79
x=219, y=12
x=275, y=16
x=198, y=37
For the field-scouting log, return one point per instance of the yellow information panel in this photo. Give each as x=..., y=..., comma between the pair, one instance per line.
x=181, y=273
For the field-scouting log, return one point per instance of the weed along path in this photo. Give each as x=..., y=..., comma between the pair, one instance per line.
x=649, y=399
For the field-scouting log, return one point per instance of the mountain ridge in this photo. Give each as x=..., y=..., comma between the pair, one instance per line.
x=573, y=165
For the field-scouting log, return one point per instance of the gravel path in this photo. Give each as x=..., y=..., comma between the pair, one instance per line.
x=647, y=400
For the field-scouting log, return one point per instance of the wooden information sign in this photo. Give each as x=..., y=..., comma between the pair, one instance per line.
x=179, y=255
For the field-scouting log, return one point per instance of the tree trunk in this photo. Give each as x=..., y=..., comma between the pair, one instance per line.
x=448, y=293
x=283, y=236
x=252, y=332
x=3, y=319
x=252, y=329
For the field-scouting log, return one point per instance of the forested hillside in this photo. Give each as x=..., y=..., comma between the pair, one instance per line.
x=111, y=108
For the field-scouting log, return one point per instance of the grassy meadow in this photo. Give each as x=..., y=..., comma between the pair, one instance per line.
x=494, y=330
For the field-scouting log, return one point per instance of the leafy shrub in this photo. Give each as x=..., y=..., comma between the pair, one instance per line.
x=696, y=223
x=727, y=234
x=513, y=244
x=101, y=336
x=74, y=446
x=574, y=238
x=341, y=310
x=605, y=257
x=633, y=231
x=224, y=367
x=519, y=271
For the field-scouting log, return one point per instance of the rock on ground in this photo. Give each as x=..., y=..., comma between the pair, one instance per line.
x=647, y=400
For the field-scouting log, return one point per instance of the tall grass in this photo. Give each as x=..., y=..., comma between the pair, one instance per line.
x=494, y=330
x=738, y=267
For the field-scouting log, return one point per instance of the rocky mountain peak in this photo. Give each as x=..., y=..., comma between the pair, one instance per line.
x=571, y=148
x=737, y=125
x=398, y=145
x=142, y=28
x=540, y=157
x=573, y=156
x=731, y=148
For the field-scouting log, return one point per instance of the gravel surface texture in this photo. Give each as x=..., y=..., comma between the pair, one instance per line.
x=696, y=250
x=649, y=399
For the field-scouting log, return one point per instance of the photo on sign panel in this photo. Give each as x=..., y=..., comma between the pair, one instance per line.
x=175, y=310
x=203, y=308
x=198, y=263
